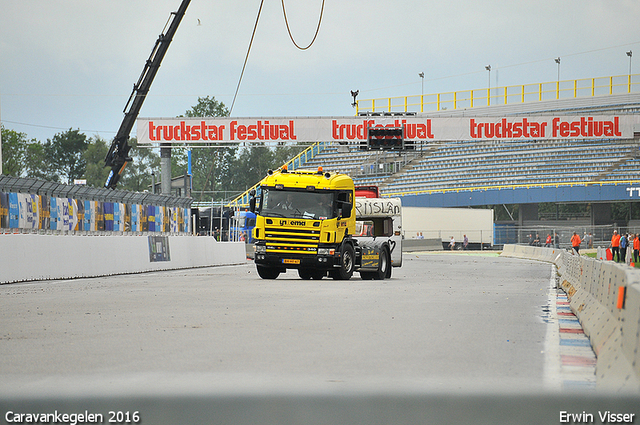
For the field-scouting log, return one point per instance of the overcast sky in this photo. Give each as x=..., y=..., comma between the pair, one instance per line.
x=72, y=63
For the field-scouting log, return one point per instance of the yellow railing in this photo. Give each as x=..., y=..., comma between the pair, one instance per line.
x=505, y=95
x=512, y=186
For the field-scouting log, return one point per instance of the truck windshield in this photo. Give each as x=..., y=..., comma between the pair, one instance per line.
x=297, y=204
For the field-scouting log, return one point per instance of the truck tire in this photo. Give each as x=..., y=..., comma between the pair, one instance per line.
x=304, y=274
x=347, y=263
x=367, y=275
x=383, y=266
x=268, y=272
x=388, y=275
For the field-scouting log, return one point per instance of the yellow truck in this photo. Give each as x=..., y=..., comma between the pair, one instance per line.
x=306, y=220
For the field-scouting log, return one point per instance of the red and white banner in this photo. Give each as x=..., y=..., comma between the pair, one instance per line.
x=237, y=130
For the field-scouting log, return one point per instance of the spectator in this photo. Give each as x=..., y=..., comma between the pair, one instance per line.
x=548, y=242
x=536, y=241
x=465, y=242
x=624, y=243
x=575, y=242
x=452, y=243
x=588, y=240
x=636, y=248
x=615, y=246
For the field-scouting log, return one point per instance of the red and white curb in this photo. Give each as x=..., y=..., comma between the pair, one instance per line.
x=570, y=362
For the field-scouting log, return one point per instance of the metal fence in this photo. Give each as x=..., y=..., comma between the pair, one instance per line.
x=504, y=95
x=537, y=235
x=37, y=206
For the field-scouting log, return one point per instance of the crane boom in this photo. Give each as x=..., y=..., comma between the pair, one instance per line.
x=118, y=154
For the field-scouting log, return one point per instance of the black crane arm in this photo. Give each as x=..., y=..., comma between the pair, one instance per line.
x=118, y=154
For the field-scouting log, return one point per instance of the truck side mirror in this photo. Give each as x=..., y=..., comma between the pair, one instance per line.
x=252, y=201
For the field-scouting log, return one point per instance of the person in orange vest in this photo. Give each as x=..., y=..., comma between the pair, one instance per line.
x=615, y=246
x=636, y=248
x=575, y=242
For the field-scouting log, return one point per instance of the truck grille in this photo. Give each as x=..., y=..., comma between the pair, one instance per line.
x=300, y=241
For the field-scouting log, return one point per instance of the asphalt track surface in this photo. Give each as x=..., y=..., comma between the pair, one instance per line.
x=443, y=321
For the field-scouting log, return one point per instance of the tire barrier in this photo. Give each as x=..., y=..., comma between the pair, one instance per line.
x=605, y=296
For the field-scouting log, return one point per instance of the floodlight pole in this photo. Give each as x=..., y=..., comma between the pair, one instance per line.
x=488, y=68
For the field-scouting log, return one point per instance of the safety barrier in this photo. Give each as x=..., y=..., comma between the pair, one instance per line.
x=25, y=257
x=55, y=231
x=605, y=296
x=38, y=206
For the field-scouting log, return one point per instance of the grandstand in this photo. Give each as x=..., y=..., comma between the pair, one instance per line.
x=486, y=164
x=494, y=171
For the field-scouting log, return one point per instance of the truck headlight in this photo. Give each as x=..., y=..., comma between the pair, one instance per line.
x=260, y=249
x=326, y=251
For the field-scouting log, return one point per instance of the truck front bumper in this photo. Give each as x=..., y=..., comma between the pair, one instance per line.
x=326, y=258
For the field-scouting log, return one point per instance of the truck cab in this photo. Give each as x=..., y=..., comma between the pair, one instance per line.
x=242, y=228
x=306, y=221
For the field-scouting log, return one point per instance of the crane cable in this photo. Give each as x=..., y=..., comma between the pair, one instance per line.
x=246, y=58
x=286, y=21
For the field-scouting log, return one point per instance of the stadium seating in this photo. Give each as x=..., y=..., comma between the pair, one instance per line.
x=473, y=164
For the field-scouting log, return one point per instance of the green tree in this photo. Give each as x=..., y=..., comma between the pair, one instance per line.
x=251, y=166
x=208, y=107
x=283, y=153
x=219, y=172
x=210, y=166
x=95, y=172
x=36, y=162
x=65, y=153
x=137, y=174
x=14, y=146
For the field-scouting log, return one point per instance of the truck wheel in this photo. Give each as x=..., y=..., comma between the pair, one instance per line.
x=388, y=275
x=347, y=262
x=383, y=266
x=304, y=274
x=268, y=272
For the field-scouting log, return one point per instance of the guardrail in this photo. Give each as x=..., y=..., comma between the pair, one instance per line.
x=523, y=93
x=605, y=296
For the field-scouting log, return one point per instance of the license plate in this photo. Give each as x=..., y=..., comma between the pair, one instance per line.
x=290, y=261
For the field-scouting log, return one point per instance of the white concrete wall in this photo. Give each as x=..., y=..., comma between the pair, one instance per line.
x=442, y=223
x=594, y=288
x=26, y=257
